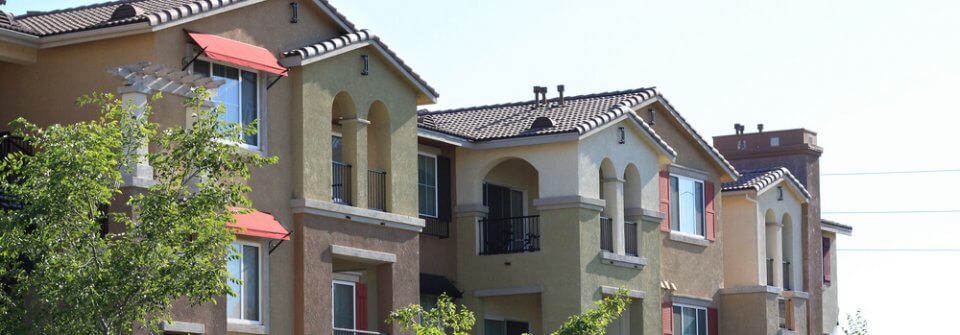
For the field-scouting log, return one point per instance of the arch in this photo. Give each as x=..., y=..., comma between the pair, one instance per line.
x=344, y=107
x=606, y=171
x=787, y=244
x=513, y=178
x=343, y=149
x=772, y=249
x=632, y=187
x=378, y=157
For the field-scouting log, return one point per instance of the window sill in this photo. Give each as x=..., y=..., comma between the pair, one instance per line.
x=624, y=261
x=246, y=328
x=688, y=239
x=787, y=332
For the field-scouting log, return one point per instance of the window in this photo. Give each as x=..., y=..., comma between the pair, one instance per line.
x=689, y=320
x=827, y=267
x=344, y=305
x=239, y=95
x=502, y=202
x=336, y=153
x=505, y=327
x=245, y=306
x=427, y=182
x=686, y=205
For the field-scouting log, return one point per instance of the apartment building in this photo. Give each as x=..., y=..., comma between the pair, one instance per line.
x=785, y=155
x=335, y=244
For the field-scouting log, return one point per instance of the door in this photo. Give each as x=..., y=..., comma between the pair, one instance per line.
x=503, y=204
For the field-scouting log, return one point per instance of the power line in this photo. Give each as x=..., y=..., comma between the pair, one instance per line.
x=899, y=250
x=868, y=173
x=898, y=212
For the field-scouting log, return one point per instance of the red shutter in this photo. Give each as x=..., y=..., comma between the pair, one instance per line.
x=666, y=314
x=711, y=215
x=665, y=200
x=827, y=276
x=713, y=318
x=361, y=306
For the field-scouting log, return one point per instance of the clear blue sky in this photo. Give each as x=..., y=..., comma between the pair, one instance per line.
x=876, y=79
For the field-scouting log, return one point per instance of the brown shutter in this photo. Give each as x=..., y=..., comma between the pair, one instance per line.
x=713, y=320
x=665, y=200
x=711, y=214
x=666, y=314
x=827, y=275
x=444, y=189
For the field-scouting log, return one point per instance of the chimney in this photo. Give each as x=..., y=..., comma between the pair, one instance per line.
x=536, y=95
x=560, y=90
x=738, y=128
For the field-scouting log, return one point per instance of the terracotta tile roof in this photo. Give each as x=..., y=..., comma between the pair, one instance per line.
x=759, y=179
x=100, y=15
x=337, y=43
x=703, y=143
x=579, y=114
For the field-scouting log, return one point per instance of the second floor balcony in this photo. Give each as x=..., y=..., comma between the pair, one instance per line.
x=510, y=235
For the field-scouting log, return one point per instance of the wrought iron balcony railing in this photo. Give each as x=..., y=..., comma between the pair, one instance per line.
x=606, y=234
x=510, y=235
x=341, y=183
x=377, y=190
x=436, y=227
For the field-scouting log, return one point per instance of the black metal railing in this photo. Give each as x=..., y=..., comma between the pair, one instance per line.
x=782, y=309
x=786, y=276
x=606, y=234
x=510, y=235
x=630, y=237
x=11, y=144
x=377, y=190
x=769, y=271
x=436, y=227
x=341, y=183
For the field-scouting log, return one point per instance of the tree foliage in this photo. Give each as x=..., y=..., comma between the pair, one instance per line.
x=445, y=319
x=62, y=274
x=856, y=324
x=594, y=321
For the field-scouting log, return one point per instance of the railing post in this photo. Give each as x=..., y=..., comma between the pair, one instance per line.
x=138, y=174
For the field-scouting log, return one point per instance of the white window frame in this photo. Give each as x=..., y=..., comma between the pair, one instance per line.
x=261, y=106
x=706, y=315
x=703, y=200
x=333, y=311
x=436, y=184
x=260, y=277
x=504, y=320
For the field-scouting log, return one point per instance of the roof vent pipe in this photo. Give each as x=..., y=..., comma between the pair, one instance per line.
x=560, y=90
x=543, y=92
x=760, y=127
x=536, y=95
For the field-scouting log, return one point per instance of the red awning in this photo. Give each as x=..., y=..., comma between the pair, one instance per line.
x=258, y=224
x=238, y=53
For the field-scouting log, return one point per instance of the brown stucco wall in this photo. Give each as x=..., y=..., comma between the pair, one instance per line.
x=439, y=255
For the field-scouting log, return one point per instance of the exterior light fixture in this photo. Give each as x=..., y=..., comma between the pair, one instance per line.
x=366, y=65
x=622, y=135
x=295, y=12
x=779, y=193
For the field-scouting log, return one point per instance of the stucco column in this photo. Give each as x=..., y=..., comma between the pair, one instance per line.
x=775, y=251
x=355, y=154
x=138, y=174
x=613, y=194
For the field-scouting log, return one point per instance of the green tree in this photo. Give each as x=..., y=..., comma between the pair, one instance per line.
x=594, y=321
x=856, y=324
x=445, y=319
x=61, y=274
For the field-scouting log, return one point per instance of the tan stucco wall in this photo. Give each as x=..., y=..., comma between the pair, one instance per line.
x=831, y=308
x=696, y=270
x=16, y=53
x=521, y=307
x=743, y=248
x=749, y=313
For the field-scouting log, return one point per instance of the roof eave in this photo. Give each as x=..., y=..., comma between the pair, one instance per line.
x=730, y=172
x=836, y=228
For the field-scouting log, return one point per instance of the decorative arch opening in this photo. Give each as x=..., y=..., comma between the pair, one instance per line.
x=343, y=148
x=772, y=249
x=787, y=253
x=378, y=157
x=512, y=224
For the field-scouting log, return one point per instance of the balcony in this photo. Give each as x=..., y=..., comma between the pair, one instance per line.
x=770, y=281
x=436, y=227
x=786, y=276
x=606, y=234
x=341, y=183
x=630, y=237
x=377, y=190
x=510, y=235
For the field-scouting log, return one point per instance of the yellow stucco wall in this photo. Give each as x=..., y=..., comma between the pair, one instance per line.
x=16, y=53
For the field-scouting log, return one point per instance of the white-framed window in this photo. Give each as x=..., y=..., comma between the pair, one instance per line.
x=344, y=305
x=427, y=184
x=245, y=306
x=240, y=96
x=500, y=326
x=687, y=205
x=689, y=320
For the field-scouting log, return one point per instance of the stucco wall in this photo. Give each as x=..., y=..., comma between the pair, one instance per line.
x=831, y=308
x=521, y=307
x=749, y=313
x=789, y=206
x=743, y=248
x=16, y=53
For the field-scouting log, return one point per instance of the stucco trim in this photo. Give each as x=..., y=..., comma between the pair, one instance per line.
x=184, y=327
x=751, y=289
x=444, y=138
x=688, y=239
x=681, y=170
x=624, y=261
x=350, y=213
x=796, y=295
x=471, y=210
x=515, y=290
x=246, y=329
x=644, y=214
x=572, y=201
x=363, y=255
x=632, y=294
x=526, y=140
x=691, y=300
